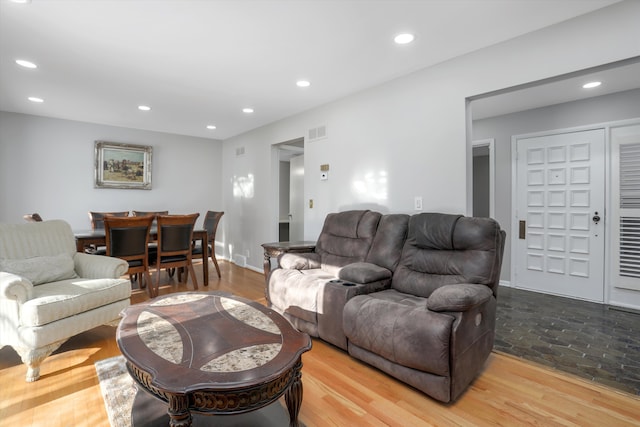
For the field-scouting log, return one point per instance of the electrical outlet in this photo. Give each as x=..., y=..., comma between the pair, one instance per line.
x=417, y=203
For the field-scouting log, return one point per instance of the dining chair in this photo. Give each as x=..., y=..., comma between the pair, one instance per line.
x=34, y=217
x=128, y=238
x=97, y=223
x=153, y=245
x=154, y=213
x=211, y=221
x=175, y=234
x=97, y=218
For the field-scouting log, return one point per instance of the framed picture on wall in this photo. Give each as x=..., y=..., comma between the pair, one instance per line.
x=122, y=165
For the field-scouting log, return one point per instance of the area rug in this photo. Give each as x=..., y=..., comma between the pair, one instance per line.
x=119, y=394
x=118, y=390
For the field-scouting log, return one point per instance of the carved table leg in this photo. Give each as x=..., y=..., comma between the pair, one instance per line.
x=293, y=396
x=179, y=411
x=266, y=264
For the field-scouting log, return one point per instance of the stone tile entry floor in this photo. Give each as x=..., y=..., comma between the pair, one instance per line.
x=590, y=340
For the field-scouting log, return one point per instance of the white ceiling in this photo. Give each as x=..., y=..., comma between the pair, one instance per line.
x=617, y=77
x=199, y=62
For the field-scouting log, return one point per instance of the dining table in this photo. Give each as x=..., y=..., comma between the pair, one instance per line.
x=86, y=238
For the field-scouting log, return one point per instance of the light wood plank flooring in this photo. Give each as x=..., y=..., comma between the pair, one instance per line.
x=338, y=390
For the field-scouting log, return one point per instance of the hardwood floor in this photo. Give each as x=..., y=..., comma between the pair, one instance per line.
x=338, y=390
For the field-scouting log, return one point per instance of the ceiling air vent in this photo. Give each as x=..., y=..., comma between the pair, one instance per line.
x=317, y=133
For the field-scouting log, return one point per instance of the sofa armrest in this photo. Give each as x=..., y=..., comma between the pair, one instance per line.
x=363, y=272
x=98, y=267
x=15, y=287
x=459, y=297
x=299, y=261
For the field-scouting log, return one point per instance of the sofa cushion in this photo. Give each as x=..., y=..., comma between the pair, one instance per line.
x=399, y=328
x=387, y=244
x=433, y=230
x=346, y=237
x=467, y=253
x=41, y=269
x=56, y=300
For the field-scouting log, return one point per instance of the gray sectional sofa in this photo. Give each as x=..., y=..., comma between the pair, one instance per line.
x=414, y=296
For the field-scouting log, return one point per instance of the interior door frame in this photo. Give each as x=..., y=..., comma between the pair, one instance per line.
x=279, y=151
x=490, y=143
x=607, y=196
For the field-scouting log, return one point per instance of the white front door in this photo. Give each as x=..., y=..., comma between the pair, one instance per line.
x=560, y=214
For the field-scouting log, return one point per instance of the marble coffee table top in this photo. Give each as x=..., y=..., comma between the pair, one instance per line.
x=191, y=339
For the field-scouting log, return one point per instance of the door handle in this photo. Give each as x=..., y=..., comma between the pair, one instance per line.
x=596, y=218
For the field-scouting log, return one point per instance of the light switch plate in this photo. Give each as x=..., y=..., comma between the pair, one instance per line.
x=417, y=203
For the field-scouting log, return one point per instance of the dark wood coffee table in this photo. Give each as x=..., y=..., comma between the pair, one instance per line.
x=212, y=353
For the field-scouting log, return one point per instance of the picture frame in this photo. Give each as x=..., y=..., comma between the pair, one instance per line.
x=124, y=166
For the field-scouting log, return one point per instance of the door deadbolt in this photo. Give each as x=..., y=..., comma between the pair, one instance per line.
x=596, y=218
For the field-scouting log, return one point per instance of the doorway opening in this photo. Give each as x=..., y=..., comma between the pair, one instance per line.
x=290, y=190
x=483, y=178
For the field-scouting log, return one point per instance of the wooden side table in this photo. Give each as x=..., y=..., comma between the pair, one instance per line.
x=275, y=249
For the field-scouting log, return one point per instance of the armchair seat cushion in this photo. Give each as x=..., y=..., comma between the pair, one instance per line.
x=57, y=300
x=385, y=323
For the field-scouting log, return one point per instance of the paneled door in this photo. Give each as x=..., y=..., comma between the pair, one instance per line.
x=560, y=214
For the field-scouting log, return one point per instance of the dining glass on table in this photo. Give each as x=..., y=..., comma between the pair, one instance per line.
x=86, y=238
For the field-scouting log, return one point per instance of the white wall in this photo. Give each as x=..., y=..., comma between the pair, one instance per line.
x=408, y=137
x=46, y=166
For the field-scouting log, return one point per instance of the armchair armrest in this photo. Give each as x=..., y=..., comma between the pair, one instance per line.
x=15, y=287
x=459, y=297
x=299, y=261
x=363, y=272
x=98, y=267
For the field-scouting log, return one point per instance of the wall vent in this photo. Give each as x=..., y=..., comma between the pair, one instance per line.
x=240, y=151
x=317, y=133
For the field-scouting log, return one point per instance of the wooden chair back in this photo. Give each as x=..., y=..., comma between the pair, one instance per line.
x=97, y=218
x=175, y=234
x=211, y=221
x=128, y=238
x=34, y=217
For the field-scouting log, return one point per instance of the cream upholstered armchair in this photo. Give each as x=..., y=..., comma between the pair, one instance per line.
x=49, y=292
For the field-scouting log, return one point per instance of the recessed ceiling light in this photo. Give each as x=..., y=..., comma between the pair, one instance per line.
x=144, y=108
x=404, y=38
x=591, y=85
x=26, y=64
x=35, y=99
x=247, y=110
x=211, y=127
x=303, y=83
x=21, y=1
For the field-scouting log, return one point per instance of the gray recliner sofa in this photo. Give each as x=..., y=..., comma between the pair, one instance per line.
x=356, y=253
x=414, y=296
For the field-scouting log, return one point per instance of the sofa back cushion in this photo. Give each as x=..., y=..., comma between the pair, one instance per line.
x=388, y=242
x=36, y=239
x=443, y=249
x=41, y=269
x=346, y=237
